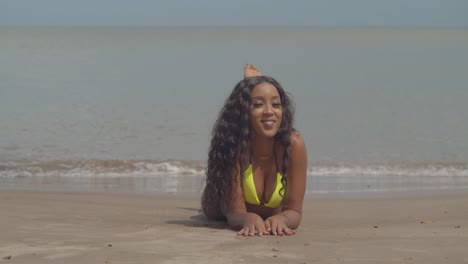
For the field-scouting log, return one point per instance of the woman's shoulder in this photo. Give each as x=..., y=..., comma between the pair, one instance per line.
x=298, y=147
x=296, y=140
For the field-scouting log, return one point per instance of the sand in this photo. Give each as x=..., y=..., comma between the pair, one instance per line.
x=54, y=227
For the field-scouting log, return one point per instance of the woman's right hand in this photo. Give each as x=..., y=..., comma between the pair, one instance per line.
x=253, y=225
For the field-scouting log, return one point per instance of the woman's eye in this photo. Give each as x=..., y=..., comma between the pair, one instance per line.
x=257, y=104
x=276, y=105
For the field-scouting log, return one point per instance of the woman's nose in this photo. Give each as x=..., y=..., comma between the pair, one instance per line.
x=268, y=109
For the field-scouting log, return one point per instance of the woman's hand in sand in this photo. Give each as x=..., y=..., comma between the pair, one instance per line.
x=251, y=71
x=277, y=225
x=253, y=225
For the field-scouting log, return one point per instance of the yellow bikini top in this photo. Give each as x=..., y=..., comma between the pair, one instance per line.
x=250, y=192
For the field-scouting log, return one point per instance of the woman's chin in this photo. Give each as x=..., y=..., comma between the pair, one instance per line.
x=268, y=133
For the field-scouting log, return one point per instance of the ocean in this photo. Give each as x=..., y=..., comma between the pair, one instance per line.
x=382, y=110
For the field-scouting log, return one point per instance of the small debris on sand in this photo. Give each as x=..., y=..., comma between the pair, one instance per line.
x=426, y=222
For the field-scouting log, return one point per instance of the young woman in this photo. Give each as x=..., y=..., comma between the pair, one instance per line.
x=257, y=162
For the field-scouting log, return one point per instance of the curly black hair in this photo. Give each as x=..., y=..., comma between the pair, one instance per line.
x=230, y=141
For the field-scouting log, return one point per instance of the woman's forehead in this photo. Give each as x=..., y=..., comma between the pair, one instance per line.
x=265, y=90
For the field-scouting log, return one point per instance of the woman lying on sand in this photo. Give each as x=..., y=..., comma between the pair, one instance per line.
x=257, y=162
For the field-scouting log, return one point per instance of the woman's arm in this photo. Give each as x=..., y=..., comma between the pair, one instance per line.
x=297, y=175
x=291, y=214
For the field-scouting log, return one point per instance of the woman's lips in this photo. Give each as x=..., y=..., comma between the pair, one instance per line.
x=268, y=124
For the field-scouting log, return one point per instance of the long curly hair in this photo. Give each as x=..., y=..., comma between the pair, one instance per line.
x=231, y=138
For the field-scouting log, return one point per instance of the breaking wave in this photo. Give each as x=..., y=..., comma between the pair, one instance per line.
x=148, y=168
x=90, y=168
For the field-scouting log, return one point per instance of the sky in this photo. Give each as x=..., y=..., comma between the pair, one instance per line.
x=320, y=13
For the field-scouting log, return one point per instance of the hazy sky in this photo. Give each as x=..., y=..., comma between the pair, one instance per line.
x=396, y=13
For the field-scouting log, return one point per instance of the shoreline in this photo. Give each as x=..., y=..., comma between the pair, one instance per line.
x=364, y=186
x=77, y=227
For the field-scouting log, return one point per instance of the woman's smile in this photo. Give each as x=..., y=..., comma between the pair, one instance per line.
x=268, y=124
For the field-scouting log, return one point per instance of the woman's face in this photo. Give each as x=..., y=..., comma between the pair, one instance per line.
x=266, y=111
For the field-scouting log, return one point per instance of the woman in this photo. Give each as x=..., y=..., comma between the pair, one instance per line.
x=257, y=165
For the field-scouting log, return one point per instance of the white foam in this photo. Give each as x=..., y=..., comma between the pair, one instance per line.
x=164, y=168
x=147, y=168
x=92, y=168
x=389, y=170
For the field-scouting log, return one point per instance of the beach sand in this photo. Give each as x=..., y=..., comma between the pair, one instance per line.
x=58, y=227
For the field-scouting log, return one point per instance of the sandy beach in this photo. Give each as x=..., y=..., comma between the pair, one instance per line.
x=58, y=227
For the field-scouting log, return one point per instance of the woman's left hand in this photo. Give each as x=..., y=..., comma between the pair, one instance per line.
x=277, y=225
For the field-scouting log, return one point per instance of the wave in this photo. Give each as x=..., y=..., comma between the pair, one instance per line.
x=148, y=168
x=109, y=168
x=404, y=169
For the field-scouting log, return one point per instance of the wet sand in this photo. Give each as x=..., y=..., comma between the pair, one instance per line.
x=77, y=227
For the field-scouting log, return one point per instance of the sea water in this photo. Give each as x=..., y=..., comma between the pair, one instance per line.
x=380, y=109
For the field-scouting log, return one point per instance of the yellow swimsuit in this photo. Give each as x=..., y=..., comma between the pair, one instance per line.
x=250, y=192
